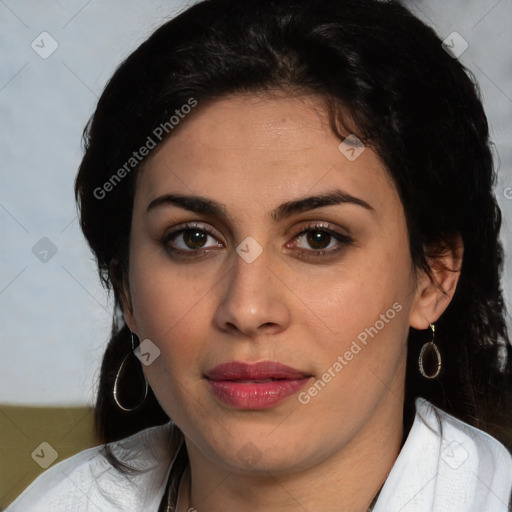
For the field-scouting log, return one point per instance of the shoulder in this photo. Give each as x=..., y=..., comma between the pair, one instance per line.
x=446, y=464
x=463, y=441
x=87, y=482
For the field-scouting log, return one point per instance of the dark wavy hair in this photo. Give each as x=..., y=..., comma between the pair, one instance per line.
x=374, y=63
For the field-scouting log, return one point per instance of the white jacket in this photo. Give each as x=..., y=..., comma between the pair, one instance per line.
x=445, y=465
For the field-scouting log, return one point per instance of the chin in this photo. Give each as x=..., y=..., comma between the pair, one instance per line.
x=255, y=451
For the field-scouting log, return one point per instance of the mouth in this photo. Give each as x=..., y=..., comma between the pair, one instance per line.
x=254, y=385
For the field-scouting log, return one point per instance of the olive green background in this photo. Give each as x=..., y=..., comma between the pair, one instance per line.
x=22, y=429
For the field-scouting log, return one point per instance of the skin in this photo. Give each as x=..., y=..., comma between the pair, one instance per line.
x=253, y=153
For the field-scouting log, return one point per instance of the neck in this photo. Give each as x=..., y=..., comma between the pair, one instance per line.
x=347, y=480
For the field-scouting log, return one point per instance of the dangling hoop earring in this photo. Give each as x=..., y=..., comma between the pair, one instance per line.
x=138, y=367
x=428, y=350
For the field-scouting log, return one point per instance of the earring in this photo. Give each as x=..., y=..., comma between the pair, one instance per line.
x=130, y=366
x=426, y=358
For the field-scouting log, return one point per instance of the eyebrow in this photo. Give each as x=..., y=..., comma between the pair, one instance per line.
x=206, y=206
x=195, y=204
x=310, y=203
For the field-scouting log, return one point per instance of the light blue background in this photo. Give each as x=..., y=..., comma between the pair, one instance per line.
x=54, y=316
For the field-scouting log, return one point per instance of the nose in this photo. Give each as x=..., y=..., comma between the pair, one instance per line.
x=253, y=300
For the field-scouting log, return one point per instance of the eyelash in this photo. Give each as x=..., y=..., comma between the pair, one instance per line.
x=343, y=241
x=191, y=253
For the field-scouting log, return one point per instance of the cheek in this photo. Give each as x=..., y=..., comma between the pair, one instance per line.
x=171, y=310
x=353, y=296
x=170, y=307
x=359, y=346
x=362, y=330
x=359, y=321
x=165, y=295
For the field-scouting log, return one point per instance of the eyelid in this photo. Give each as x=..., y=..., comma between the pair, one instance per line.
x=176, y=230
x=320, y=226
x=344, y=240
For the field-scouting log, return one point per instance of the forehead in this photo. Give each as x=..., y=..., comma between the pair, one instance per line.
x=261, y=151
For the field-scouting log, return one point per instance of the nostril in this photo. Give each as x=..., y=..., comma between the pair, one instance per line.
x=231, y=326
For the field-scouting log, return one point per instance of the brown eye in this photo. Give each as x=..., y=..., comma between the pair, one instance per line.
x=318, y=239
x=191, y=239
x=195, y=238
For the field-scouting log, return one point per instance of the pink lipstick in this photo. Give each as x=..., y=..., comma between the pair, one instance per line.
x=254, y=385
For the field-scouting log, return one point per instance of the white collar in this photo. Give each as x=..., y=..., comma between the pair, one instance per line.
x=446, y=464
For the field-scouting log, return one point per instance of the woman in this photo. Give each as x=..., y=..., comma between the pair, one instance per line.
x=292, y=202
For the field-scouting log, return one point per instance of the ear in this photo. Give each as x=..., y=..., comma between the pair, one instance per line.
x=435, y=288
x=122, y=289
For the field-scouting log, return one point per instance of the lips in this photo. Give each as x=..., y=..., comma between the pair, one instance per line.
x=254, y=385
x=265, y=370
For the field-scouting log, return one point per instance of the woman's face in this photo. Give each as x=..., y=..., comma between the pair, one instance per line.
x=257, y=239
